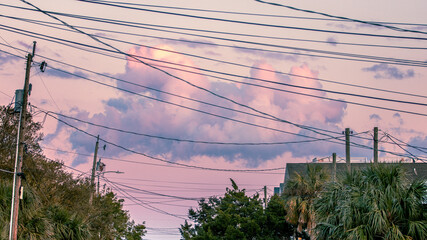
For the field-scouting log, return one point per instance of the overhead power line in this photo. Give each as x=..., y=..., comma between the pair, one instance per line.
x=334, y=16
x=155, y=27
x=167, y=161
x=247, y=23
x=334, y=54
x=172, y=75
x=253, y=14
x=194, y=141
x=269, y=70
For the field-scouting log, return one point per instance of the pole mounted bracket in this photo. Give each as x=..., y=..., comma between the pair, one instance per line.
x=22, y=175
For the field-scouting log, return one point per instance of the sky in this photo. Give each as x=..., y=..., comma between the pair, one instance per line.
x=185, y=95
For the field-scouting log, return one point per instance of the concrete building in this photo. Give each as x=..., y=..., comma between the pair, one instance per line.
x=414, y=169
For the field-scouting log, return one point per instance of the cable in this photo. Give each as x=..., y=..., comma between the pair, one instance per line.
x=253, y=14
x=189, y=140
x=282, y=90
x=167, y=73
x=155, y=27
x=166, y=161
x=141, y=203
x=402, y=147
x=353, y=57
x=155, y=193
x=334, y=16
x=48, y=92
x=277, y=72
x=246, y=23
x=421, y=149
x=6, y=171
x=197, y=110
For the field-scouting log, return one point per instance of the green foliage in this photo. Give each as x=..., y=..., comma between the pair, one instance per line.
x=374, y=203
x=299, y=194
x=236, y=216
x=55, y=205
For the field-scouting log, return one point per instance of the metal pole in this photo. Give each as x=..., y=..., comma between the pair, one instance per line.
x=13, y=230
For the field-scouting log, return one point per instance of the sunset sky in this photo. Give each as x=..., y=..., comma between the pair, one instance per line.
x=187, y=94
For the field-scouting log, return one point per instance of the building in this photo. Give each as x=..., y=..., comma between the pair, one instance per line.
x=414, y=170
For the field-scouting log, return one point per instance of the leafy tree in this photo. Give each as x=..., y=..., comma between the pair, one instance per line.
x=299, y=193
x=55, y=205
x=374, y=203
x=236, y=216
x=110, y=221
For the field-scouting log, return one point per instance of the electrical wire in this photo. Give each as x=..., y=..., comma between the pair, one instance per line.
x=353, y=57
x=189, y=140
x=155, y=27
x=252, y=67
x=167, y=161
x=140, y=202
x=403, y=148
x=246, y=23
x=333, y=16
x=246, y=106
x=168, y=73
x=254, y=14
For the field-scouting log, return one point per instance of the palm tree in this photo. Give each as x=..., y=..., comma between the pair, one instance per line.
x=299, y=194
x=374, y=203
x=32, y=223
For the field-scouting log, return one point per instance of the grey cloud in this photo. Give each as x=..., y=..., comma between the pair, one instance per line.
x=118, y=104
x=6, y=58
x=375, y=117
x=384, y=71
x=191, y=43
x=332, y=41
x=269, y=55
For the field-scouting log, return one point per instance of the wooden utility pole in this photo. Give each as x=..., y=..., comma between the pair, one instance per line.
x=265, y=197
x=334, y=165
x=347, y=149
x=92, y=178
x=375, y=144
x=20, y=142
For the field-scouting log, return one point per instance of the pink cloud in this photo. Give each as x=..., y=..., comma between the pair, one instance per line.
x=138, y=114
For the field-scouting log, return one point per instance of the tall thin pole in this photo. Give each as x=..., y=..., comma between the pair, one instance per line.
x=20, y=142
x=334, y=163
x=92, y=178
x=265, y=197
x=375, y=144
x=347, y=149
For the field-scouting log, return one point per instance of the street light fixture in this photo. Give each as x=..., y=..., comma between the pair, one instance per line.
x=102, y=173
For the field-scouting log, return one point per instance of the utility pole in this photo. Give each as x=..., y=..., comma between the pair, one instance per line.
x=347, y=149
x=375, y=145
x=265, y=197
x=92, y=178
x=334, y=163
x=20, y=142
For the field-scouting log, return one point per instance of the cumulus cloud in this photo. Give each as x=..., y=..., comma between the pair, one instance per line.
x=384, y=71
x=158, y=118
